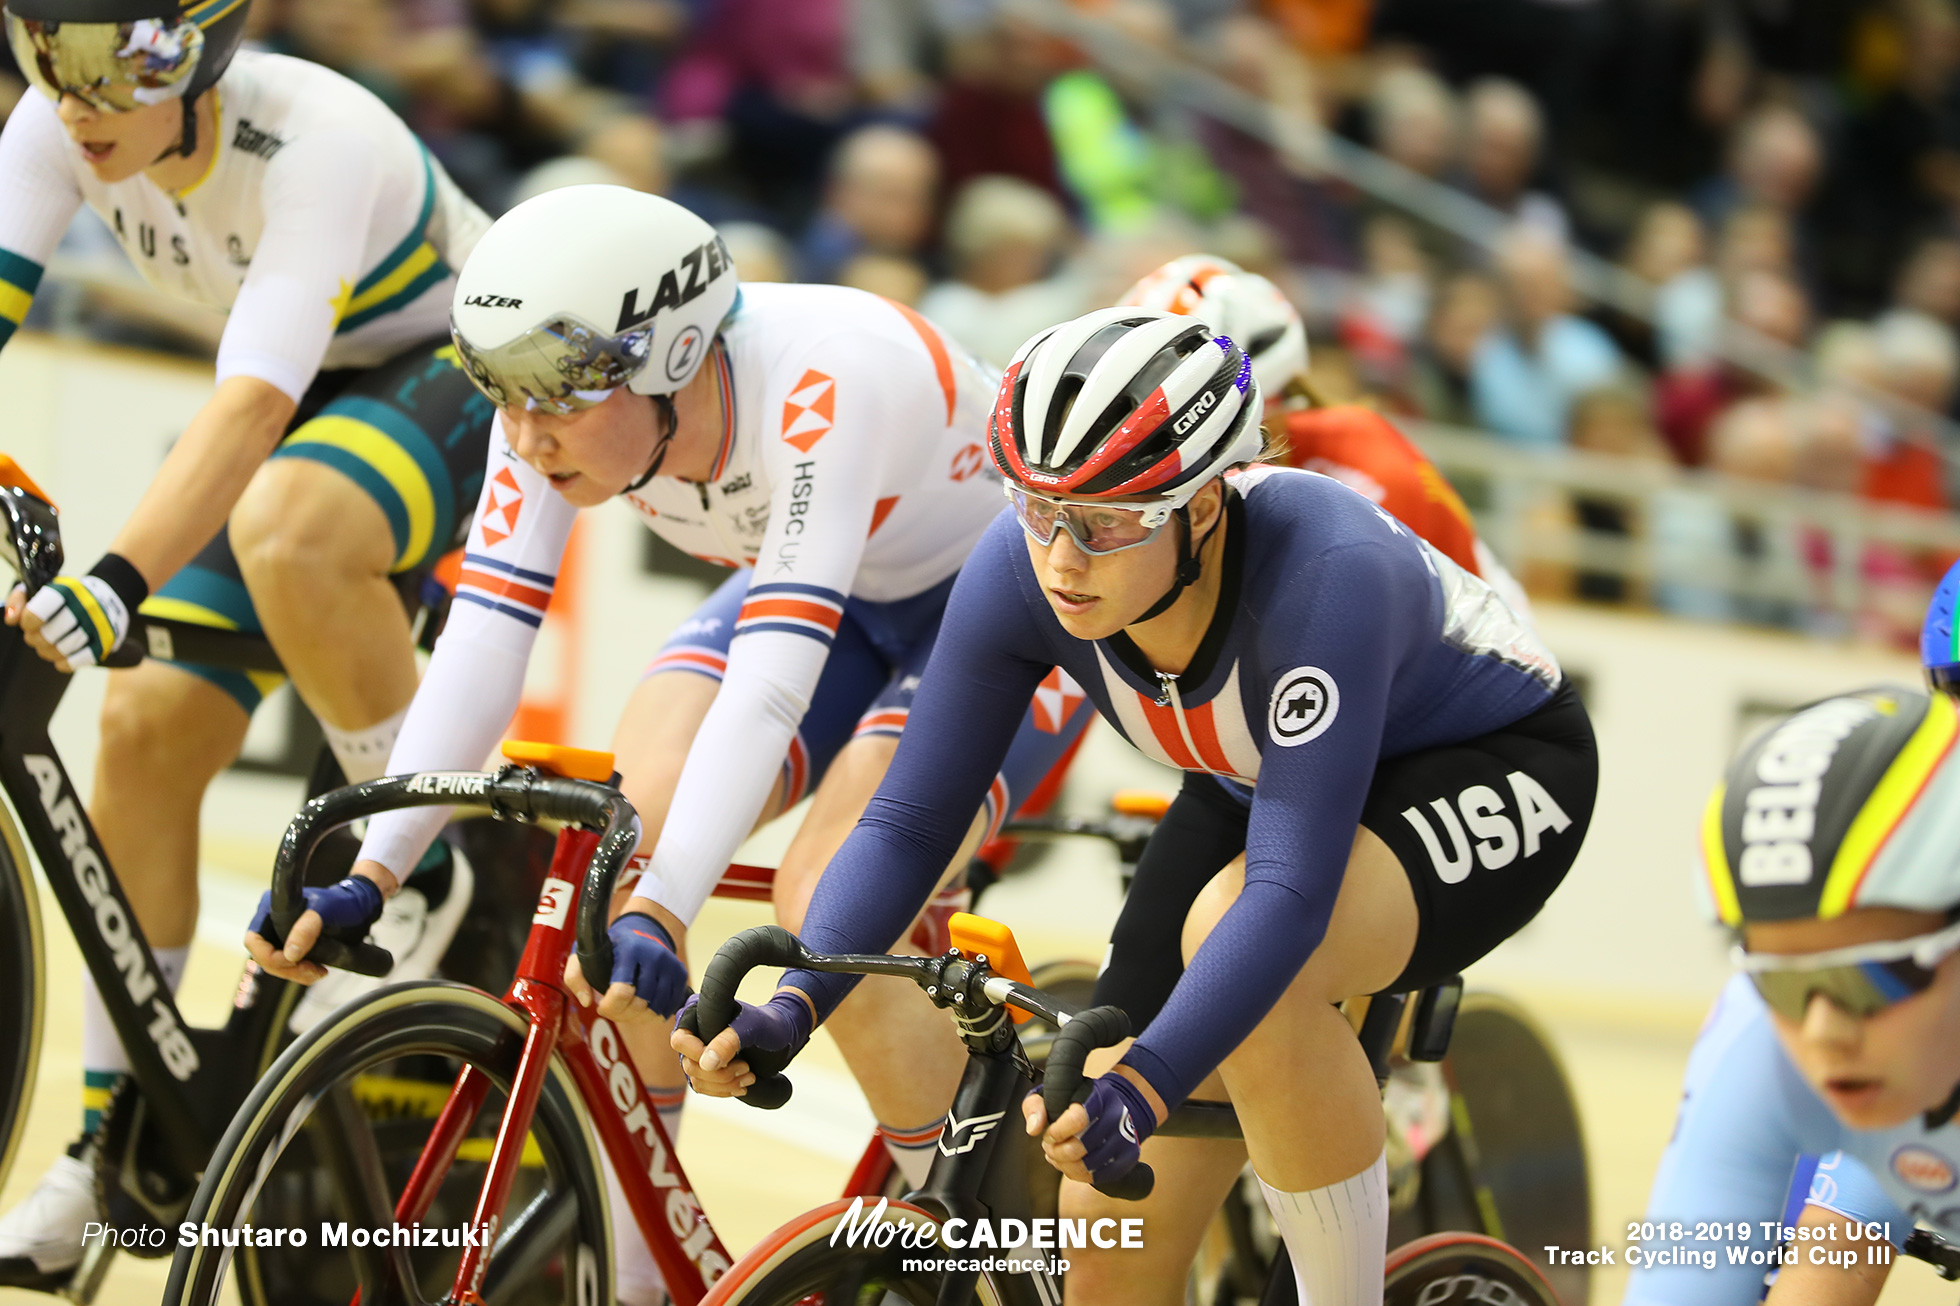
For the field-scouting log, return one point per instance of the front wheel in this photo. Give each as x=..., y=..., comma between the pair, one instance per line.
x=1463, y=1269
x=327, y=1140
x=20, y=990
x=814, y=1260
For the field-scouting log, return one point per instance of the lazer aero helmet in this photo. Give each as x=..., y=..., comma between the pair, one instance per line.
x=118, y=55
x=580, y=291
x=1125, y=403
x=1851, y=802
x=1243, y=305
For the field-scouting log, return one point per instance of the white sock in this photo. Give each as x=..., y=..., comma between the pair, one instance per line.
x=912, y=1150
x=636, y=1279
x=668, y=1104
x=363, y=754
x=103, y=1058
x=1337, y=1237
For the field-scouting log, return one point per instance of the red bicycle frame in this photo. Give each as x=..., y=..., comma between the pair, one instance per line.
x=664, y=1207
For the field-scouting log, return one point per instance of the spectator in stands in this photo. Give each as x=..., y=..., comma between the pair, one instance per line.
x=770, y=80
x=1669, y=253
x=1775, y=159
x=760, y=253
x=1503, y=134
x=1466, y=309
x=1390, y=302
x=1771, y=309
x=883, y=183
x=1526, y=374
x=633, y=146
x=896, y=277
x=1929, y=281
x=989, y=117
x=1414, y=120
x=1919, y=364
x=1004, y=238
x=1613, y=421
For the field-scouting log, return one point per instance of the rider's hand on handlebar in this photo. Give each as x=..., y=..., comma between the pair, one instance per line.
x=1100, y=1137
x=648, y=976
x=354, y=904
x=77, y=621
x=782, y=1024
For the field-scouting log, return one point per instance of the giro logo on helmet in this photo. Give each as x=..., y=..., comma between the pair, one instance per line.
x=679, y=285
x=1192, y=416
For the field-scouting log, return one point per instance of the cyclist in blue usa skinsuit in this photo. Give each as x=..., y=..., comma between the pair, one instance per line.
x=1386, y=775
x=1833, y=848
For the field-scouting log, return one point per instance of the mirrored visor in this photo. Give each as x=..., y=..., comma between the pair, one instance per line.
x=559, y=366
x=1096, y=527
x=114, y=67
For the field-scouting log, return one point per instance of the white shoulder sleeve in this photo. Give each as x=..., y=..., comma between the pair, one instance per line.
x=318, y=196
x=475, y=679
x=820, y=513
x=38, y=198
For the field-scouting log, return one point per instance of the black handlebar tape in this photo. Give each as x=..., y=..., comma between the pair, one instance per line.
x=762, y=945
x=511, y=794
x=1062, y=1084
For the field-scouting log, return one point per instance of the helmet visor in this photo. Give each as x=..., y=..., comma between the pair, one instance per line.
x=559, y=366
x=114, y=67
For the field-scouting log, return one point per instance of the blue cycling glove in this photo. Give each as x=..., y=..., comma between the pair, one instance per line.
x=645, y=957
x=1119, y=1120
x=777, y=1029
x=351, y=906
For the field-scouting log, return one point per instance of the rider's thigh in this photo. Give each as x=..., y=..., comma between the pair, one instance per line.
x=1369, y=936
x=302, y=525
x=1193, y=1177
x=835, y=808
x=651, y=742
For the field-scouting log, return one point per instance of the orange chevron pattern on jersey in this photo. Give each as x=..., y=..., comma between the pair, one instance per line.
x=503, y=502
x=810, y=410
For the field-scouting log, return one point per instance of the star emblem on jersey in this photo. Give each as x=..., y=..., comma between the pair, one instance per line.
x=502, y=501
x=809, y=410
x=1055, y=701
x=1305, y=702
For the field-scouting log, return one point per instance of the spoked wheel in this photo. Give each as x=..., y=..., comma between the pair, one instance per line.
x=325, y=1145
x=797, y=1265
x=1514, y=1163
x=20, y=991
x=1463, y=1269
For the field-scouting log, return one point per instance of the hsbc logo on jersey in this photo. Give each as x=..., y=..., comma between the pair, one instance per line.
x=1305, y=702
x=502, y=502
x=1055, y=701
x=809, y=410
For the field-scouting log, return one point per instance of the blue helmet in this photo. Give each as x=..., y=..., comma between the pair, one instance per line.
x=1939, y=638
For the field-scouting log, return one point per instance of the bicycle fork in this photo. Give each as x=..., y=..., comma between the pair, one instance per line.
x=684, y=1246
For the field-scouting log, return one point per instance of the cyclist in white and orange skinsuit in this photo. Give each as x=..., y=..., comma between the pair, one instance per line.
x=828, y=444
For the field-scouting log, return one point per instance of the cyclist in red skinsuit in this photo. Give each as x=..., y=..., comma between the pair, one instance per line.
x=1352, y=443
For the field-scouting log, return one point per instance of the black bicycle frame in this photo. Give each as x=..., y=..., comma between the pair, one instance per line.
x=191, y=1080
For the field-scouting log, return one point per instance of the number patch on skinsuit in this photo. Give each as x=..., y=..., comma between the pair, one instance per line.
x=554, y=902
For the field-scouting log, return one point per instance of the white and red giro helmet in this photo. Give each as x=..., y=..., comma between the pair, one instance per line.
x=1125, y=403
x=1243, y=305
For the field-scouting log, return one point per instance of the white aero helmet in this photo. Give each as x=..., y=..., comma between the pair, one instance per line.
x=579, y=291
x=1243, y=305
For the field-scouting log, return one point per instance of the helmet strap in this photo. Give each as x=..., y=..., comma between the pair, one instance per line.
x=665, y=403
x=1942, y=1113
x=186, y=139
x=1190, y=566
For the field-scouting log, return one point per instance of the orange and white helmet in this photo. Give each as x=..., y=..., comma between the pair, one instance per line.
x=1240, y=304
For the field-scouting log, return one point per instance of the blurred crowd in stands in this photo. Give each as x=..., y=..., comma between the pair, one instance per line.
x=1770, y=175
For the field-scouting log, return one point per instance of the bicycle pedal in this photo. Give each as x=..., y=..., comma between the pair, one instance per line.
x=85, y=1280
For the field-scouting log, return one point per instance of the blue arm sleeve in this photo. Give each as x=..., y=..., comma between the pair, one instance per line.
x=1843, y=1185
x=1745, y=1118
x=985, y=665
x=1339, y=613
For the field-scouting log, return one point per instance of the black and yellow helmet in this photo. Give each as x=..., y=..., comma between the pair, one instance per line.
x=1849, y=802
